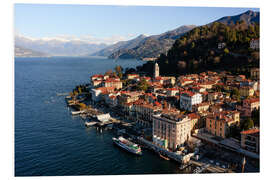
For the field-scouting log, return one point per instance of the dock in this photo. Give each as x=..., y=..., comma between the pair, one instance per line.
x=209, y=167
x=171, y=155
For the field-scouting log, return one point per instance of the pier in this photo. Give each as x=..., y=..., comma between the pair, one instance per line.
x=177, y=157
x=209, y=167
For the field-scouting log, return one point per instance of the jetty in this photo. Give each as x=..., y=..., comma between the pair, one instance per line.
x=208, y=167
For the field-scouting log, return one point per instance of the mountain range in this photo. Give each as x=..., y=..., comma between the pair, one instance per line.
x=58, y=47
x=144, y=46
x=140, y=47
x=24, y=52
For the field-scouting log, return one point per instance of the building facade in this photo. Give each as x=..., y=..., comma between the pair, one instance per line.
x=171, y=129
x=250, y=140
x=219, y=124
x=255, y=73
x=255, y=44
x=188, y=99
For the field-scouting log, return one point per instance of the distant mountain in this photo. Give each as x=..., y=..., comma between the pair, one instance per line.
x=248, y=17
x=151, y=46
x=120, y=45
x=58, y=47
x=24, y=52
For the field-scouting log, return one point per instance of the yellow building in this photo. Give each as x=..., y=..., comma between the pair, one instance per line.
x=246, y=91
x=255, y=73
x=218, y=124
x=113, y=83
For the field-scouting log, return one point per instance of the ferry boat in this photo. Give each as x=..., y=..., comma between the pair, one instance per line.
x=127, y=145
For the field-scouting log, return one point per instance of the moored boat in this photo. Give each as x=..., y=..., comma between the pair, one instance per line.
x=164, y=157
x=87, y=124
x=127, y=145
x=77, y=112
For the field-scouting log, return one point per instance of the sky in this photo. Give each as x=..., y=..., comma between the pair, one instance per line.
x=109, y=24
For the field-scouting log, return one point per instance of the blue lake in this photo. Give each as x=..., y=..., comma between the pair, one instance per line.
x=49, y=141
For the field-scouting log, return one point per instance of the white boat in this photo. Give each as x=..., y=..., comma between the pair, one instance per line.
x=127, y=145
x=76, y=112
x=90, y=123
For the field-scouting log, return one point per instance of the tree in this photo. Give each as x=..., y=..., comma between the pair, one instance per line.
x=80, y=90
x=255, y=115
x=255, y=55
x=142, y=85
x=82, y=106
x=248, y=123
x=118, y=70
x=181, y=65
x=192, y=45
x=109, y=72
x=226, y=51
x=216, y=60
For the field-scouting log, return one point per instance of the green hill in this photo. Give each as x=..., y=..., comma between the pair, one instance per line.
x=197, y=50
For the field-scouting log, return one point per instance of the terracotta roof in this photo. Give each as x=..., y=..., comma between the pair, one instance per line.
x=97, y=75
x=112, y=80
x=188, y=93
x=106, y=89
x=172, y=89
x=157, y=103
x=251, y=100
x=251, y=131
x=193, y=116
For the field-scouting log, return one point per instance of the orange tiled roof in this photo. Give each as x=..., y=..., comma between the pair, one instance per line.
x=251, y=131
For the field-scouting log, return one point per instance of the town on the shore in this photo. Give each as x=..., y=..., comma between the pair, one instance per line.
x=210, y=118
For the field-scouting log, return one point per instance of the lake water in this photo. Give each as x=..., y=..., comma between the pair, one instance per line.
x=49, y=141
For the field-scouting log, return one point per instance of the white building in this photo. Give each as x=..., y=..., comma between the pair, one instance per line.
x=255, y=44
x=188, y=99
x=95, y=95
x=171, y=129
x=221, y=45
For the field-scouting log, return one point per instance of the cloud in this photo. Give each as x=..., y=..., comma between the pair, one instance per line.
x=89, y=39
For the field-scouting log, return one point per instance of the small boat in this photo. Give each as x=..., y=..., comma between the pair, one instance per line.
x=76, y=112
x=87, y=124
x=127, y=145
x=184, y=166
x=164, y=157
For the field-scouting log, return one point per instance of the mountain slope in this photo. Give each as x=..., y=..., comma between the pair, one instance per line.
x=120, y=45
x=248, y=17
x=152, y=46
x=199, y=50
x=24, y=52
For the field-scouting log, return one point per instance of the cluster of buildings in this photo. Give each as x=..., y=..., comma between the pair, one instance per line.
x=176, y=108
